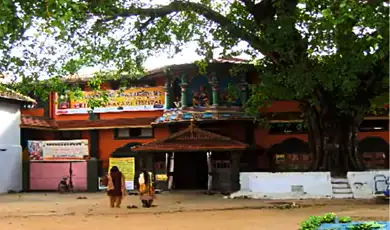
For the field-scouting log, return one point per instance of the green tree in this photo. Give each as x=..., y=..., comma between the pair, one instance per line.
x=330, y=55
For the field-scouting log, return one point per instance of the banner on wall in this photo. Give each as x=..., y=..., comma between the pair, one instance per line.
x=127, y=167
x=134, y=99
x=58, y=150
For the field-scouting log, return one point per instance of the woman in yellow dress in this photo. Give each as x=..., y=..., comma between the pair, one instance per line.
x=146, y=189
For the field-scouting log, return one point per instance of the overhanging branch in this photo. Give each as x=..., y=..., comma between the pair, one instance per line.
x=179, y=6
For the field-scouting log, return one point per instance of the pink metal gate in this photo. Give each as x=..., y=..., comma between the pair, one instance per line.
x=45, y=176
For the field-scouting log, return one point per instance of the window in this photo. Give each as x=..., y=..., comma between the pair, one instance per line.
x=133, y=133
x=70, y=135
x=374, y=160
x=221, y=164
x=292, y=161
x=159, y=165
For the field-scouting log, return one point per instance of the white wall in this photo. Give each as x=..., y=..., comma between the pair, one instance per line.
x=362, y=183
x=10, y=149
x=278, y=185
x=9, y=123
x=10, y=168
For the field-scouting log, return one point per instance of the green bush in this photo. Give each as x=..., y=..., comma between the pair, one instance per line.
x=345, y=219
x=366, y=226
x=314, y=222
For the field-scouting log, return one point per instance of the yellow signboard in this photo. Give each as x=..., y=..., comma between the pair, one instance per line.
x=127, y=167
x=161, y=177
x=133, y=99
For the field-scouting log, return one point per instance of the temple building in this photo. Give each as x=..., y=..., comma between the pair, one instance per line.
x=189, y=129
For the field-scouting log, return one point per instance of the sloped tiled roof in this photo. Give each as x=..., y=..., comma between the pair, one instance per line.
x=193, y=139
x=44, y=123
x=10, y=94
x=37, y=122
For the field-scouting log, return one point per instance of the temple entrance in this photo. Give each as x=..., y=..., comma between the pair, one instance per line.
x=190, y=171
x=187, y=170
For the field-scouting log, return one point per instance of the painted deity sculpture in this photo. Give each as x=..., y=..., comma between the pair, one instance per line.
x=177, y=102
x=201, y=98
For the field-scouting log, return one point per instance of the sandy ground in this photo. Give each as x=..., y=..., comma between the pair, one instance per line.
x=173, y=211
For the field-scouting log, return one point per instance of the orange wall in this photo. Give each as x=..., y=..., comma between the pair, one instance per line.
x=71, y=117
x=235, y=131
x=282, y=106
x=37, y=112
x=41, y=135
x=107, y=143
x=265, y=140
x=160, y=81
x=107, y=116
x=135, y=114
x=384, y=135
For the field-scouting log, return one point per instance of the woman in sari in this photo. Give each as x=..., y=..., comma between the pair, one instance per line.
x=115, y=182
x=146, y=190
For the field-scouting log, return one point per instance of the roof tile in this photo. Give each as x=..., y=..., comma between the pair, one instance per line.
x=193, y=138
x=13, y=95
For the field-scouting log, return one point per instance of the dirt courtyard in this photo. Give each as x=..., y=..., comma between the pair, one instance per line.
x=40, y=211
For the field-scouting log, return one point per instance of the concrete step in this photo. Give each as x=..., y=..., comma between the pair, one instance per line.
x=342, y=191
x=343, y=196
x=338, y=180
x=341, y=186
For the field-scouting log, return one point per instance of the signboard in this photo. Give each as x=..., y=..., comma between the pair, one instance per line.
x=58, y=150
x=161, y=177
x=134, y=99
x=127, y=167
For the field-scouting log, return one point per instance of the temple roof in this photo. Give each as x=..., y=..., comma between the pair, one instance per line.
x=192, y=139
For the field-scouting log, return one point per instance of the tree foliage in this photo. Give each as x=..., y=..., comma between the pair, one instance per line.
x=312, y=49
x=330, y=55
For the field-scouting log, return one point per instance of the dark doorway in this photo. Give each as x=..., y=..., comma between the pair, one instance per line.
x=190, y=171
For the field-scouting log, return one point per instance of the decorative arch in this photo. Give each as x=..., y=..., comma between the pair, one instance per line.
x=290, y=145
x=292, y=154
x=374, y=152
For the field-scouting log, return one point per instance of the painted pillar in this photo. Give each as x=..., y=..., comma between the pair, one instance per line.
x=166, y=163
x=235, y=171
x=171, y=170
x=210, y=173
x=184, y=89
x=149, y=162
x=243, y=92
x=94, y=137
x=168, y=96
x=215, y=88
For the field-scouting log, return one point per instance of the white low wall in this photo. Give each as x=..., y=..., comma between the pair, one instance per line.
x=279, y=185
x=363, y=184
x=10, y=168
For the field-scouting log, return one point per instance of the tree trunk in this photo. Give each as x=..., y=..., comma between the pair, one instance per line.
x=333, y=142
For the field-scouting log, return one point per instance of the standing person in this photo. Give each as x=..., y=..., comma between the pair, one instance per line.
x=115, y=182
x=146, y=190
